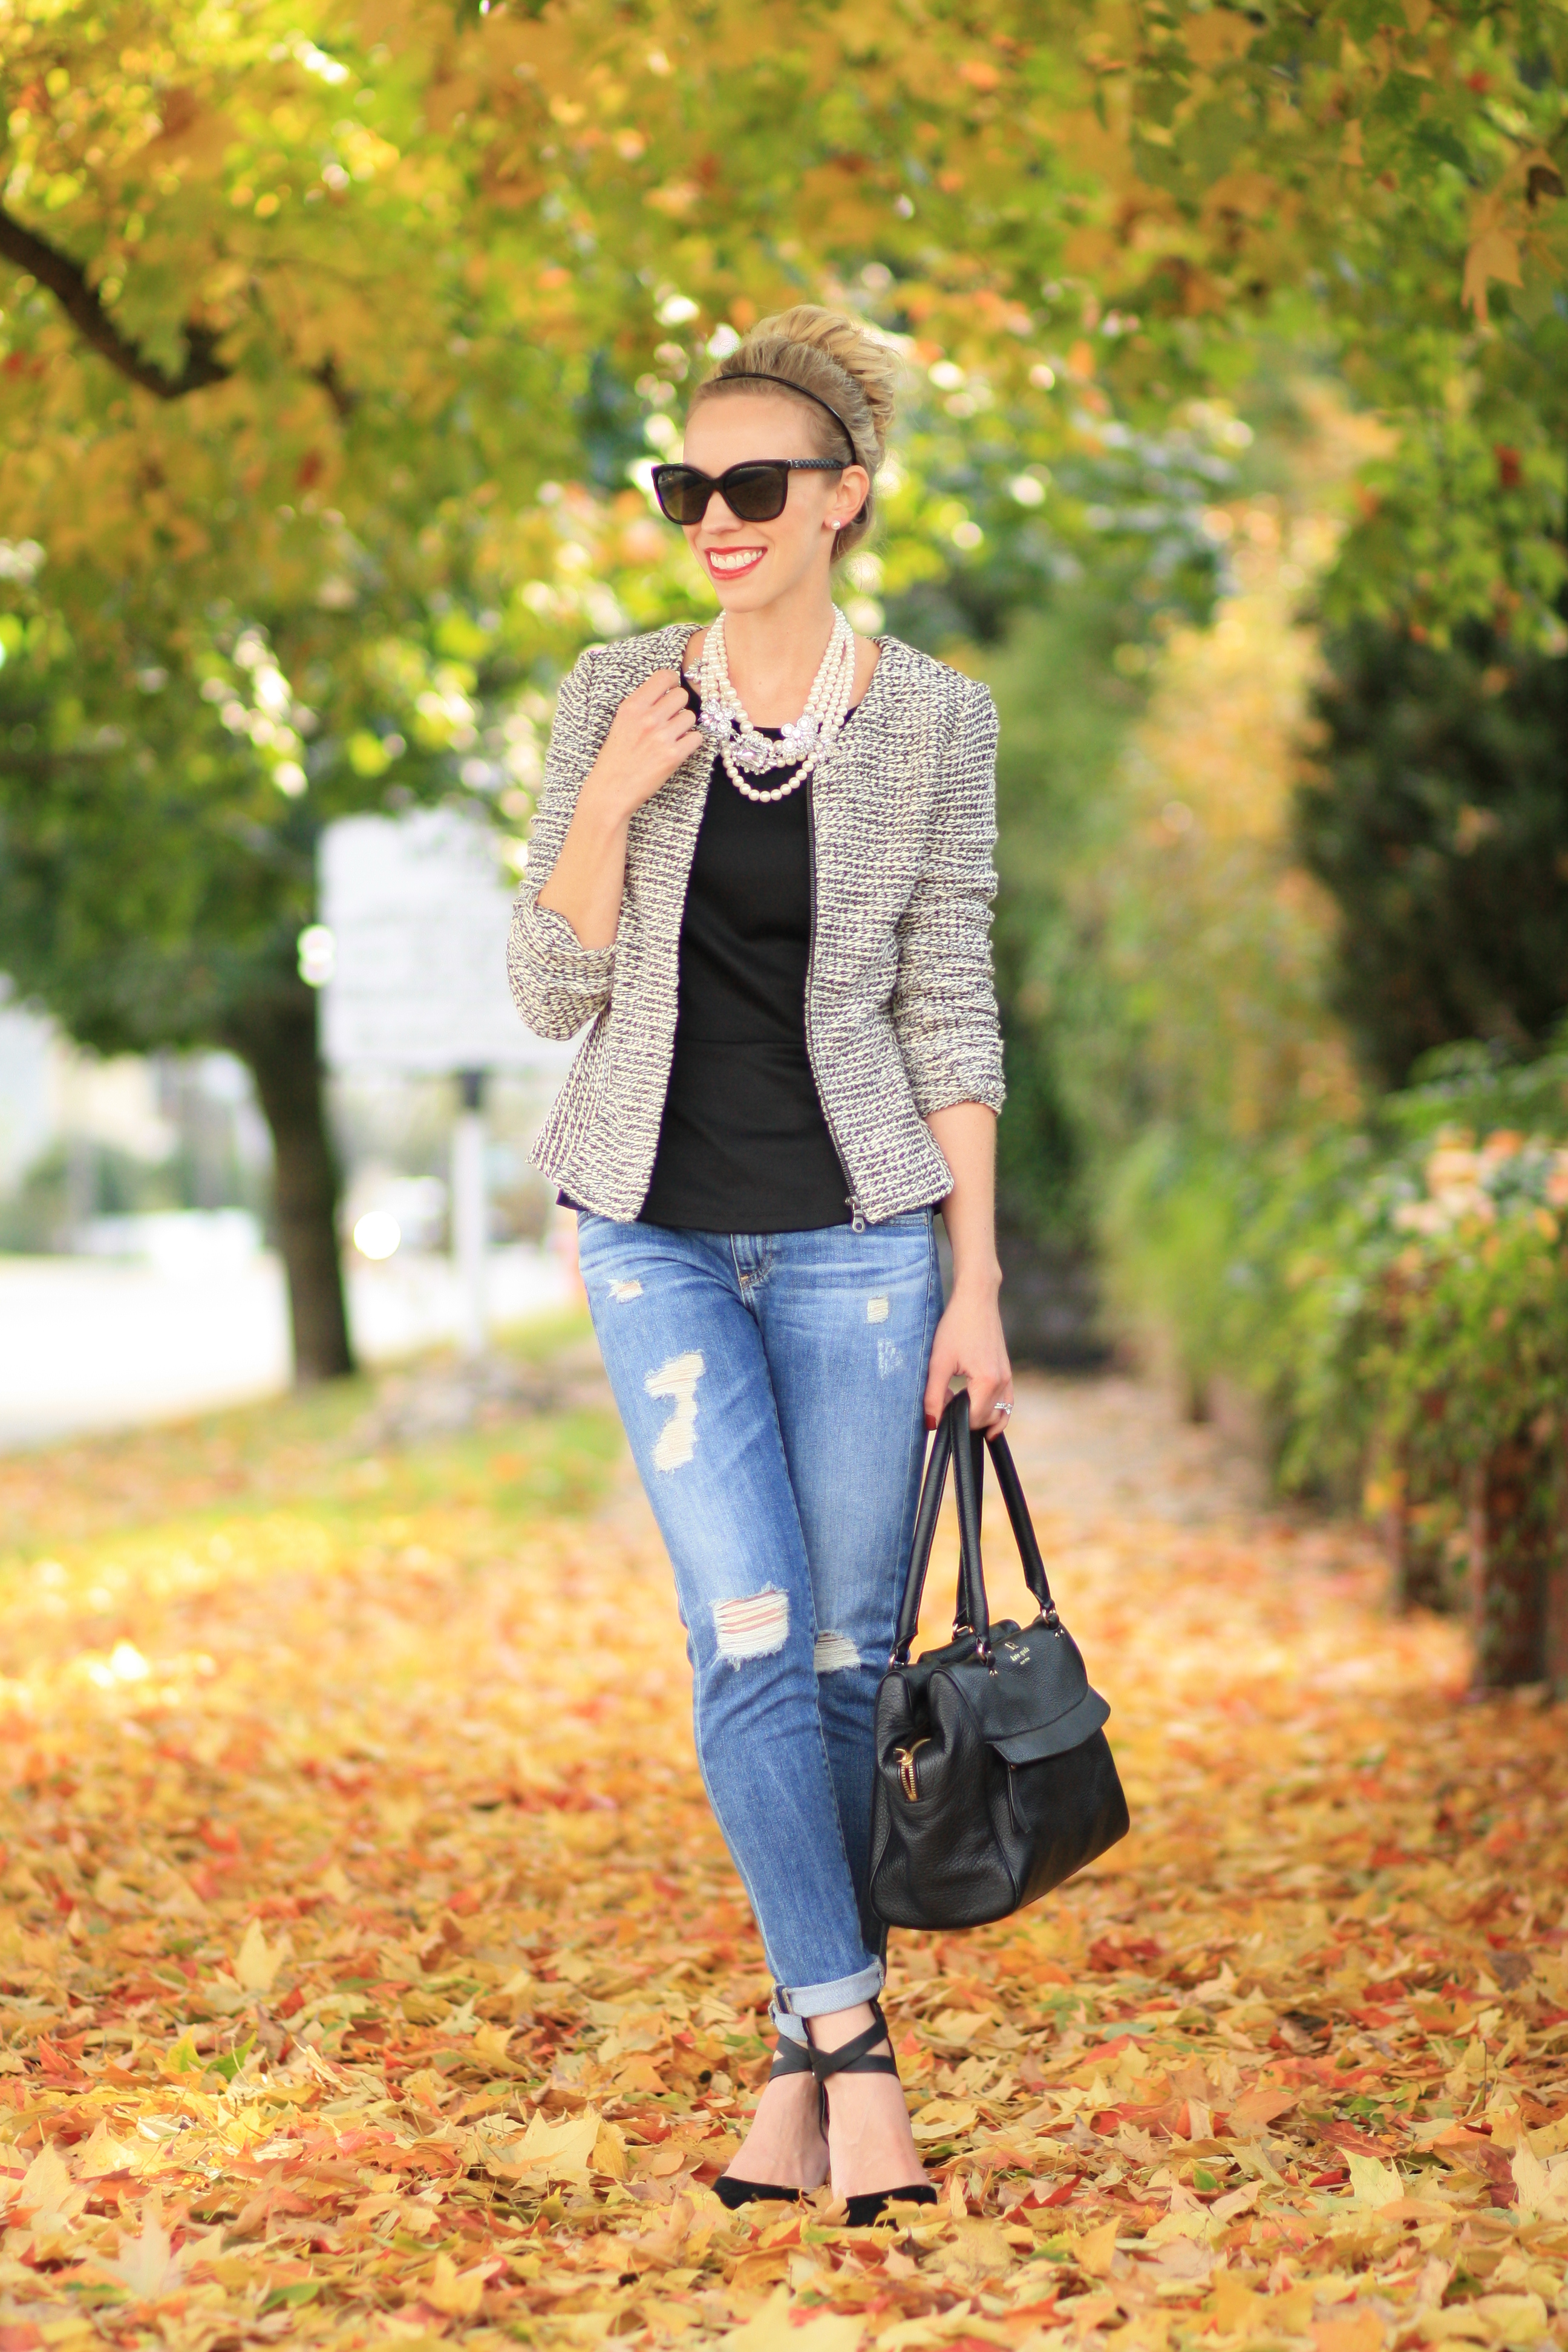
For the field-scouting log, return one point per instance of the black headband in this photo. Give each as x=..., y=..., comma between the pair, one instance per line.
x=753, y=376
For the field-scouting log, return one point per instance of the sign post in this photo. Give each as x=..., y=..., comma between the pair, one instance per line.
x=470, y=1212
x=415, y=972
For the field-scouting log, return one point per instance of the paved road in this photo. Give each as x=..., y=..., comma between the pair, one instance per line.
x=90, y=1346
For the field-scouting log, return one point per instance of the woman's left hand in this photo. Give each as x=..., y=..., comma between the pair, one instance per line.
x=969, y=1347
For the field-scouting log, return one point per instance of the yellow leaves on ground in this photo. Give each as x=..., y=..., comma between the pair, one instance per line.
x=458, y=2293
x=1373, y=2184
x=259, y=1962
x=1095, y=2252
x=149, y=2267
x=941, y=2117
x=775, y=2329
x=372, y=1973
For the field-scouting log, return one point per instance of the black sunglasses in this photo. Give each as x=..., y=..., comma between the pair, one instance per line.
x=754, y=491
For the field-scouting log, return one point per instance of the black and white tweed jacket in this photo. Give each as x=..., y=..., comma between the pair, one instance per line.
x=900, y=1011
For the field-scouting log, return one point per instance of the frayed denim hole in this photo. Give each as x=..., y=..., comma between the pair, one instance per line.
x=676, y=1382
x=756, y=1627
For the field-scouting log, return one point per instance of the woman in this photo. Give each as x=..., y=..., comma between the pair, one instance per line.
x=761, y=870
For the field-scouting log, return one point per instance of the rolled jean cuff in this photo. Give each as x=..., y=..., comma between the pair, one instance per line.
x=822, y=1999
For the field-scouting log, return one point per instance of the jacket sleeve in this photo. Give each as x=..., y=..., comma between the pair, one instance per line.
x=558, y=983
x=944, y=1003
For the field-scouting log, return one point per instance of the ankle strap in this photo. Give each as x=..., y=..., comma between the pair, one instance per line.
x=791, y=2058
x=853, y=2057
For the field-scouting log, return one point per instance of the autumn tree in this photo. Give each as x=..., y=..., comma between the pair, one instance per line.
x=158, y=833
x=1386, y=176
x=292, y=298
x=285, y=291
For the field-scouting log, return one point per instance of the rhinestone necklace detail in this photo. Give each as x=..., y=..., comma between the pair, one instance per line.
x=808, y=739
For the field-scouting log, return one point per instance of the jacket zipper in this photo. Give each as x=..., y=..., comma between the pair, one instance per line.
x=857, y=1219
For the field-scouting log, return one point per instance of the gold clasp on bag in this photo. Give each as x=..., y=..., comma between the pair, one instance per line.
x=907, y=1780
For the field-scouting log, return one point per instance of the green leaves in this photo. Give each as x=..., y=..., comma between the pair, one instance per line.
x=233, y=2061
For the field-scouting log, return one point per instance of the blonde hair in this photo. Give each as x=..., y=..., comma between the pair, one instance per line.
x=832, y=358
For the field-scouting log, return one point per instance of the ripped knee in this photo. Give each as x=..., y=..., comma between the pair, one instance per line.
x=753, y=1628
x=833, y=1653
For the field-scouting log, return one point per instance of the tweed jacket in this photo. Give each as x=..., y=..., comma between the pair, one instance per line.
x=900, y=1011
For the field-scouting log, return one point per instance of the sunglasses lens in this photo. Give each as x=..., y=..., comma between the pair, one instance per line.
x=755, y=493
x=683, y=492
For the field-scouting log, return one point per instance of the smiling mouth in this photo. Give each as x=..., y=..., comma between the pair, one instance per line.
x=730, y=563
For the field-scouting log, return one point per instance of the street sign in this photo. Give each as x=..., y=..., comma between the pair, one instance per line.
x=411, y=958
x=417, y=907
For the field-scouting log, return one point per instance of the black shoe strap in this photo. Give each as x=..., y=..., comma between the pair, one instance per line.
x=791, y=2058
x=853, y=2057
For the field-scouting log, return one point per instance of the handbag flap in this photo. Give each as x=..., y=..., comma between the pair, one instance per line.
x=1069, y=1730
x=1039, y=1692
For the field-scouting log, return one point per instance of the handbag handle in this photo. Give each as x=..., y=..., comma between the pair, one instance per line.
x=963, y=1617
x=936, y=1479
x=956, y=1442
x=972, y=1602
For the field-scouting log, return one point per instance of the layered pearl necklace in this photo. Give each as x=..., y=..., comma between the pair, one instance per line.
x=808, y=739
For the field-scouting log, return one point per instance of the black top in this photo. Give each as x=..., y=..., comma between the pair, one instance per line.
x=743, y=1146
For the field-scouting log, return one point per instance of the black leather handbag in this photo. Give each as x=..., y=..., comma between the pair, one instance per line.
x=995, y=1778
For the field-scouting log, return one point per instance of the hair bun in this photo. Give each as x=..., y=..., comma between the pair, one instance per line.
x=838, y=361
x=869, y=365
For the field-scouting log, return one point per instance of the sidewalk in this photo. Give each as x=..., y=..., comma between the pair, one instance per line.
x=87, y=1346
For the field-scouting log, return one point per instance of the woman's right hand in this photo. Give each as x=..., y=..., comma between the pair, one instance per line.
x=652, y=732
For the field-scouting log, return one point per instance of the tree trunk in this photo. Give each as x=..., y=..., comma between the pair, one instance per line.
x=1415, y=1559
x=1414, y=1538
x=1556, y=1659
x=277, y=1039
x=1517, y=1567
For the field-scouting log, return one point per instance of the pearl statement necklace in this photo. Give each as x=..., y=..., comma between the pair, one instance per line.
x=808, y=739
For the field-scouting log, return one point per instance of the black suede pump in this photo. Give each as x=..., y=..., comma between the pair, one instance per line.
x=853, y=2057
x=789, y=2058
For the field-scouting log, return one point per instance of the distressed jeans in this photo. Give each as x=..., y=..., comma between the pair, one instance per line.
x=772, y=1387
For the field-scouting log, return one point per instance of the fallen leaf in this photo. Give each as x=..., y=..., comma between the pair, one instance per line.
x=1360, y=2331
x=103, y=2153
x=1513, y=2318
x=1533, y=2184
x=457, y=2293
x=564, y=2147
x=45, y=2189
x=147, y=2267
x=1372, y=2185
x=1095, y=2252
x=258, y=1962
x=772, y=2331
x=490, y=2045
x=943, y=2118
x=1260, y=2106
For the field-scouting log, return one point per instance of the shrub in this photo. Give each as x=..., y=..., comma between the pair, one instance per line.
x=1438, y=820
